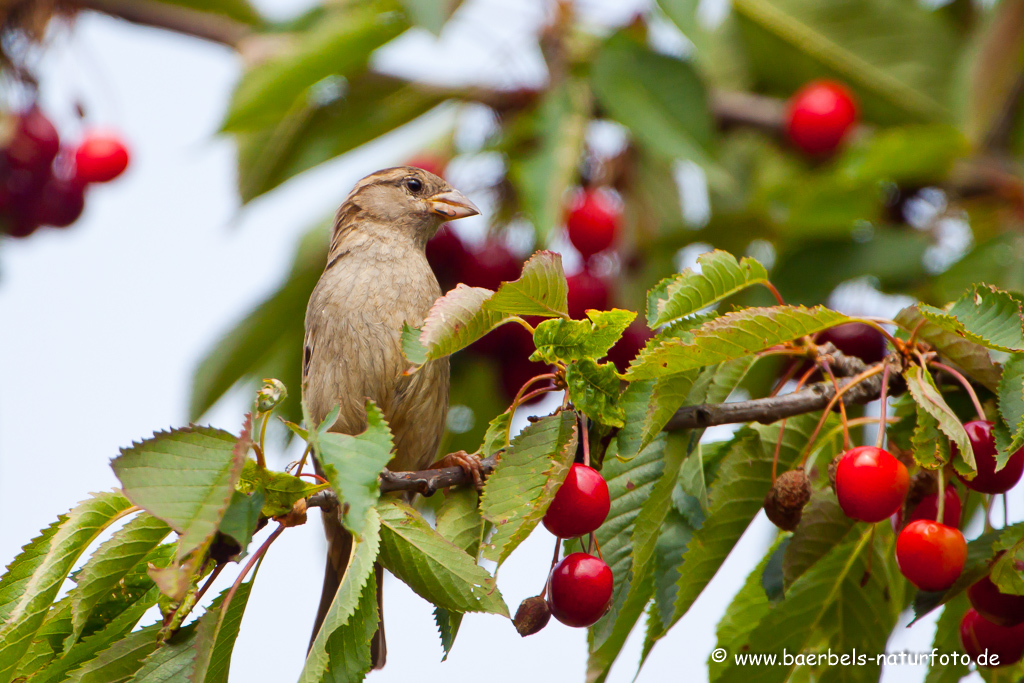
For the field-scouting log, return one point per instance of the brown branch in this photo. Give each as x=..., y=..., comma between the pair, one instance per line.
x=196, y=23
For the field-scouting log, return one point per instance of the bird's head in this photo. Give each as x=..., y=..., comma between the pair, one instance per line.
x=413, y=201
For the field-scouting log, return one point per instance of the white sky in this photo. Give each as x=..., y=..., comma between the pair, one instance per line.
x=103, y=324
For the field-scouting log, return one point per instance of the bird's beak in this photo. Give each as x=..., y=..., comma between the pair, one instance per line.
x=452, y=204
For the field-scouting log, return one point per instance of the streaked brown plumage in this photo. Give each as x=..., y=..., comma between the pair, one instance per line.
x=377, y=278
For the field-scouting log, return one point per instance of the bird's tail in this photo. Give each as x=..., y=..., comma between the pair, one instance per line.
x=339, y=548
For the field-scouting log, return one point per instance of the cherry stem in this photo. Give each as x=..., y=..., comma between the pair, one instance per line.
x=314, y=476
x=885, y=332
x=967, y=385
x=913, y=333
x=529, y=328
x=1006, y=512
x=775, y=292
x=535, y=393
x=302, y=460
x=586, y=440
x=213, y=577
x=526, y=385
x=794, y=367
x=988, y=512
x=940, y=513
x=259, y=456
x=883, y=408
x=842, y=406
x=854, y=381
x=263, y=430
x=593, y=540
x=782, y=425
x=258, y=555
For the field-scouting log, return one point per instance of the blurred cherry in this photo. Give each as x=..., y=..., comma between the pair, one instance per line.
x=60, y=202
x=587, y=291
x=820, y=116
x=35, y=141
x=101, y=157
x=448, y=257
x=633, y=340
x=431, y=163
x=592, y=222
x=518, y=370
x=490, y=265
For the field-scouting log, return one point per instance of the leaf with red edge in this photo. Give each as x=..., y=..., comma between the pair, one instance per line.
x=455, y=321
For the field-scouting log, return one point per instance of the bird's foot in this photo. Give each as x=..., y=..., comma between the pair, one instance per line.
x=470, y=464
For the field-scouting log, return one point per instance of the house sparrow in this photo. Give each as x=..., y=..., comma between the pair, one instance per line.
x=377, y=278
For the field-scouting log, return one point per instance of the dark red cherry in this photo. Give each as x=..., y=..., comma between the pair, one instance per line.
x=983, y=443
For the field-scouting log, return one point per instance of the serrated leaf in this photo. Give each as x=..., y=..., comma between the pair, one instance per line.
x=121, y=660
x=929, y=446
x=459, y=521
x=109, y=564
x=353, y=465
x=980, y=552
x=669, y=395
x=830, y=590
x=744, y=477
x=822, y=526
x=171, y=661
x=496, y=436
x=283, y=490
x=565, y=341
x=922, y=388
x=241, y=517
x=455, y=321
x=676, y=534
x=415, y=352
x=349, y=647
x=346, y=603
x=215, y=636
x=635, y=399
x=1004, y=573
x=540, y=290
x=986, y=316
x=544, y=171
x=972, y=358
x=434, y=567
x=720, y=277
x=525, y=480
x=733, y=335
x=185, y=477
x=947, y=640
x=594, y=390
x=1011, y=406
x=335, y=47
x=37, y=573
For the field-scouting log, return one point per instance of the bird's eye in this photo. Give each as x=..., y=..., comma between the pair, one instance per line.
x=414, y=184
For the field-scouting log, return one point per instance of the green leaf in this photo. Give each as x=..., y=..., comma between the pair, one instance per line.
x=562, y=340
x=313, y=132
x=185, y=477
x=434, y=567
x=522, y=486
x=947, y=640
x=972, y=358
x=353, y=465
x=995, y=65
x=828, y=593
x=744, y=477
x=94, y=653
x=349, y=648
x=267, y=342
x=822, y=526
x=282, y=491
x=335, y=47
x=110, y=563
x=979, y=557
x=34, y=577
x=748, y=607
x=346, y=607
x=459, y=521
x=496, y=436
x=545, y=172
x=241, y=517
x=430, y=14
x=719, y=277
x=676, y=534
x=733, y=335
x=898, y=56
x=922, y=388
x=930, y=448
x=986, y=316
x=594, y=390
x=455, y=321
x=216, y=634
x=239, y=10
x=540, y=290
x=908, y=154
x=1004, y=572
x=1011, y=405
x=659, y=98
x=120, y=662
x=171, y=661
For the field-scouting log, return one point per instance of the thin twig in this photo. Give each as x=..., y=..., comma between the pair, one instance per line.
x=884, y=409
x=967, y=385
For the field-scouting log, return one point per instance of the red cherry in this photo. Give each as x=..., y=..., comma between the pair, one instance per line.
x=928, y=508
x=856, y=339
x=990, y=644
x=580, y=590
x=580, y=505
x=518, y=370
x=431, y=163
x=634, y=339
x=586, y=291
x=820, y=116
x=35, y=142
x=60, y=202
x=491, y=265
x=23, y=187
x=593, y=222
x=100, y=158
x=1000, y=608
x=870, y=483
x=931, y=555
x=448, y=256
x=983, y=442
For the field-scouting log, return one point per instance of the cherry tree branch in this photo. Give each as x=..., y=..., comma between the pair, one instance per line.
x=205, y=25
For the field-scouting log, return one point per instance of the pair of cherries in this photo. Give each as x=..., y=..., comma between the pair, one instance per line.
x=580, y=586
